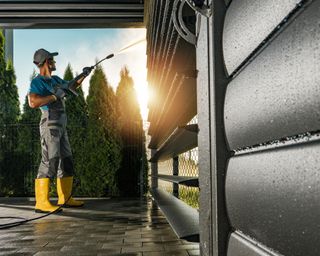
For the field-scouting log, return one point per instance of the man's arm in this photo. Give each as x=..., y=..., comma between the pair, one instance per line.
x=85, y=72
x=78, y=82
x=36, y=100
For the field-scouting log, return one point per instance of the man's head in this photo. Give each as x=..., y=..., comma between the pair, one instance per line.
x=43, y=58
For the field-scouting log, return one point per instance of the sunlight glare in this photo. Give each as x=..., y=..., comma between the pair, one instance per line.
x=141, y=87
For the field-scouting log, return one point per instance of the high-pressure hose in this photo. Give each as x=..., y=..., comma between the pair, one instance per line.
x=24, y=220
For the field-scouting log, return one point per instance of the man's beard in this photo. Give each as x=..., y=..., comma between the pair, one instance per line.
x=52, y=68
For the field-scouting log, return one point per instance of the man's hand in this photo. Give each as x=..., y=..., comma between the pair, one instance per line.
x=76, y=82
x=86, y=71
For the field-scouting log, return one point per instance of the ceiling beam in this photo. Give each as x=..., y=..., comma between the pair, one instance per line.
x=71, y=14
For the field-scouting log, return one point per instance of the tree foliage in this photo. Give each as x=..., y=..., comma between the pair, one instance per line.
x=29, y=143
x=102, y=144
x=30, y=115
x=76, y=109
x=9, y=104
x=132, y=135
x=9, y=115
x=11, y=90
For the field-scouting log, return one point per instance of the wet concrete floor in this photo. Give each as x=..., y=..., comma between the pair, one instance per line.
x=101, y=227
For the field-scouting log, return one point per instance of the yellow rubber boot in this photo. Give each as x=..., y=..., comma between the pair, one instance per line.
x=43, y=204
x=64, y=188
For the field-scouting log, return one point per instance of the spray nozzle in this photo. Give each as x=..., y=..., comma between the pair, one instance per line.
x=110, y=56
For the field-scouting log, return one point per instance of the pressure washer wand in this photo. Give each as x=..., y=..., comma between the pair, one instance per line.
x=108, y=57
x=72, y=83
x=92, y=67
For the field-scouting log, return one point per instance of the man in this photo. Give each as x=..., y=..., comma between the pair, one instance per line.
x=47, y=92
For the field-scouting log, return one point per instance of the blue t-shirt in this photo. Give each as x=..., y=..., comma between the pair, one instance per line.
x=44, y=86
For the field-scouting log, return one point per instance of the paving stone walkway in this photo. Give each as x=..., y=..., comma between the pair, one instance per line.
x=102, y=227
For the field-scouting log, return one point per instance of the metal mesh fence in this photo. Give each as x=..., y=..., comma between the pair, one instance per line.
x=188, y=163
x=34, y=156
x=20, y=156
x=165, y=167
x=188, y=166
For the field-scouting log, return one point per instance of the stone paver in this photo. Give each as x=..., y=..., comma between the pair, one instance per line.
x=103, y=227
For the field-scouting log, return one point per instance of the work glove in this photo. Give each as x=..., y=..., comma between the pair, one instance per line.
x=59, y=93
x=86, y=71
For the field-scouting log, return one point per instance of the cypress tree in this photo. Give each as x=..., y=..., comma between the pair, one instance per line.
x=75, y=106
x=76, y=109
x=29, y=143
x=103, y=142
x=13, y=104
x=30, y=115
x=9, y=103
x=29, y=122
x=132, y=135
x=9, y=115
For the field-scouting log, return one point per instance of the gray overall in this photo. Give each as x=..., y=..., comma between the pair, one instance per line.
x=55, y=147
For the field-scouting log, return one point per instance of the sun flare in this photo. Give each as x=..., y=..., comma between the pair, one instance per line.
x=143, y=97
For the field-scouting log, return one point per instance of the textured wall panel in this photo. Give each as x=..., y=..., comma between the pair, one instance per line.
x=278, y=94
x=273, y=196
x=247, y=24
x=239, y=246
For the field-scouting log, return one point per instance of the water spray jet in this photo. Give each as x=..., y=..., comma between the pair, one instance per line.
x=73, y=83
x=122, y=50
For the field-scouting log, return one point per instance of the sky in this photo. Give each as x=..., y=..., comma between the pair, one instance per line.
x=81, y=48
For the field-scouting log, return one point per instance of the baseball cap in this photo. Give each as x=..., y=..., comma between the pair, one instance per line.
x=41, y=55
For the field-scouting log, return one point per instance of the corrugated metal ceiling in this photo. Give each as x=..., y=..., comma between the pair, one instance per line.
x=71, y=13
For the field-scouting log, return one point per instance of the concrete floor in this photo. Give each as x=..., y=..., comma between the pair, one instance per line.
x=101, y=227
